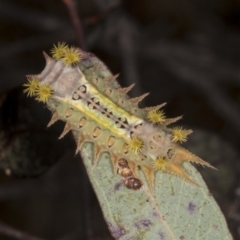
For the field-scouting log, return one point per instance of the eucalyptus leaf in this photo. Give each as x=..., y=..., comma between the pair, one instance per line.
x=176, y=209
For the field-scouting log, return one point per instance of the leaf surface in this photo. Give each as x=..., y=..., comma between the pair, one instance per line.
x=176, y=209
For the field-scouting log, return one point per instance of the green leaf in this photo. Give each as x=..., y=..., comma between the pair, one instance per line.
x=176, y=210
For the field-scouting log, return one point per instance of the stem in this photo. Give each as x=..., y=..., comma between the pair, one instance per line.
x=76, y=22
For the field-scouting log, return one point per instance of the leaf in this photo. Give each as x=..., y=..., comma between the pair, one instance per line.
x=176, y=210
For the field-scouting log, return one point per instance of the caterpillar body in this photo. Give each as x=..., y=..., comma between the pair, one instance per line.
x=79, y=90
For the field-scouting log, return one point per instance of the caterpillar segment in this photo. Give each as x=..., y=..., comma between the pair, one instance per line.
x=126, y=89
x=154, y=108
x=81, y=91
x=54, y=119
x=169, y=121
x=137, y=100
x=111, y=88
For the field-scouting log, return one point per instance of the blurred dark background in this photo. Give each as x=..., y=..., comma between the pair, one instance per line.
x=185, y=53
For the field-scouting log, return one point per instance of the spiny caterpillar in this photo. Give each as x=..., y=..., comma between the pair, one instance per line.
x=80, y=90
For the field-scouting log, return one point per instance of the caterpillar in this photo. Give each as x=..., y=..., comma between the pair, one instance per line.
x=80, y=90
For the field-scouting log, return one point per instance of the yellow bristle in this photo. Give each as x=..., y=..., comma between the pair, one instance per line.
x=160, y=164
x=156, y=116
x=31, y=87
x=179, y=134
x=44, y=92
x=59, y=50
x=71, y=56
x=135, y=144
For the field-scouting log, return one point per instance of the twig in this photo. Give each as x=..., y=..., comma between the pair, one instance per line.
x=8, y=231
x=98, y=17
x=76, y=22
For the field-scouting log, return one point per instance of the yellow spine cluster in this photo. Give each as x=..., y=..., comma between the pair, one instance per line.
x=69, y=55
x=156, y=116
x=160, y=163
x=59, y=50
x=44, y=92
x=179, y=134
x=135, y=144
x=31, y=86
